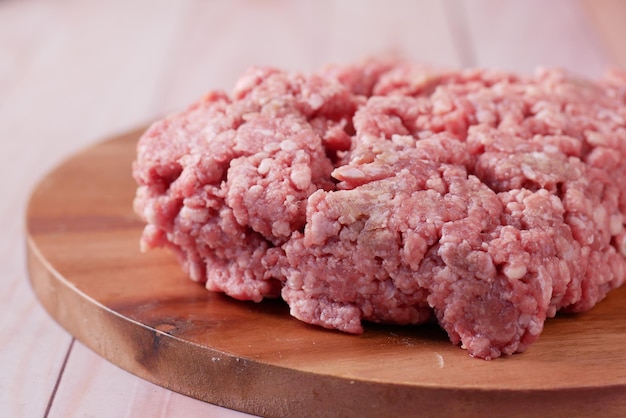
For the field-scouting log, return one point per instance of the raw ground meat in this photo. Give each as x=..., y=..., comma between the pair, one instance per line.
x=389, y=192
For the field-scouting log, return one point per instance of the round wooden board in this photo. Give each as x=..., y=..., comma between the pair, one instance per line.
x=140, y=312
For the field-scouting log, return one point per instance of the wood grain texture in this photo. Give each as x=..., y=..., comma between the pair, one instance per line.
x=140, y=312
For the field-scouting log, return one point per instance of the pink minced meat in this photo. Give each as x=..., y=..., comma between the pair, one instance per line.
x=387, y=192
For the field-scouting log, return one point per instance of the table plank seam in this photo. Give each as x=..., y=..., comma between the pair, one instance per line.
x=59, y=378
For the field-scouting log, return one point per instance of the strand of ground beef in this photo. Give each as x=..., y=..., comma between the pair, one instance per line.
x=389, y=192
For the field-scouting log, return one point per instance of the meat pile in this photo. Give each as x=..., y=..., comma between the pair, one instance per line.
x=393, y=193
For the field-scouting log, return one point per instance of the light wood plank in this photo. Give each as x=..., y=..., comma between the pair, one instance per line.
x=521, y=35
x=100, y=389
x=416, y=30
x=608, y=17
x=220, y=40
x=33, y=347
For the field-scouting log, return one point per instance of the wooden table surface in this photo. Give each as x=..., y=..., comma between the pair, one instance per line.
x=75, y=72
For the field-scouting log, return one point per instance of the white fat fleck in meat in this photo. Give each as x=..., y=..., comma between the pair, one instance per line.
x=281, y=228
x=345, y=173
x=617, y=224
x=288, y=145
x=515, y=272
x=150, y=215
x=264, y=166
x=316, y=101
x=197, y=215
x=301, y=176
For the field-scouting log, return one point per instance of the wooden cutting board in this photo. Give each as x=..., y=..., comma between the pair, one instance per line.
x=140, y=312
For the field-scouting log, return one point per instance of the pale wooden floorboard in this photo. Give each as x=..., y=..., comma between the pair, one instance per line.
x=220, y=40
x=32, y=347
x=521, y=35
x=416, y=30
x=101, y=389
x=608, y=17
